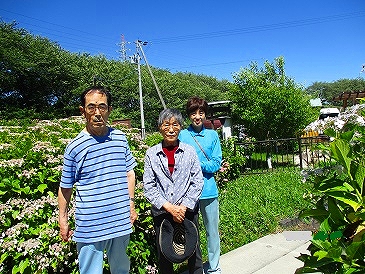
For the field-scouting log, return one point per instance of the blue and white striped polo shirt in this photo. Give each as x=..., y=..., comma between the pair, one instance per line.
x=98, y=167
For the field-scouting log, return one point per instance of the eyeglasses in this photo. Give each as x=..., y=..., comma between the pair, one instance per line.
x=92, y=108
x=166, y=126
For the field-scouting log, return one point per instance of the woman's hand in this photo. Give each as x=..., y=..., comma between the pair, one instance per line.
x=177, y=211
x=179, y=215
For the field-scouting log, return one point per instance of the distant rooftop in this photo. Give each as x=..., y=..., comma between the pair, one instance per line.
x=218, y=102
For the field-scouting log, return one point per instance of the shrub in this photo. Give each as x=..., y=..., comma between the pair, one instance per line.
x=338, y=202
x=31, y=156
x=232, y=161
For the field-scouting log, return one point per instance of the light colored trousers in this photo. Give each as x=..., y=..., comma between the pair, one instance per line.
x=209, y=209
x=91, y=256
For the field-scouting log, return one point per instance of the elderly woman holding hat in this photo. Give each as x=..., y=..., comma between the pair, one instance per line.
x=173, y=182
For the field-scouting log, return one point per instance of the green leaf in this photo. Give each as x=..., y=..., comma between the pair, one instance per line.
x=335, y=253
x=322, y=244
x=313, y=213
x=353, y=248
x=340, y=150
x=320, y=235
x=347, y=135
x=320, y=254
x=348, y=187
x=42, y=187
x=348, y=198
x=360, y=175
x=330, y=132
x=26, y=190
x=336, y=235
x=15, y=269
x=335, y=212
x=23, y=265
x=3, y=257
x=325, y=226
x=361, y=214
x=14, y=214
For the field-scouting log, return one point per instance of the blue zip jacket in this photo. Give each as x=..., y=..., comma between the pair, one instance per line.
x=209, y=141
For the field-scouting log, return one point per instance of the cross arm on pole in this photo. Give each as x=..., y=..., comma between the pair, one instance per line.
x=139, y=45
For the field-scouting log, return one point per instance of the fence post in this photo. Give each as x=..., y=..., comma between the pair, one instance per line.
x=300, y=153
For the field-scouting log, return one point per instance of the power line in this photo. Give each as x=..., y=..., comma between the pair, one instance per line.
x=43, y=21
x=219, y=64
x=86, y=40
x=290, y=24
x=95, y=44
x=217, y=34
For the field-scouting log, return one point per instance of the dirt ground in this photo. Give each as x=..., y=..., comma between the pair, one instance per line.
x=296, y=224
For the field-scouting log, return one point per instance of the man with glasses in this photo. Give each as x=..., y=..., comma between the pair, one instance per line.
x=99, y=164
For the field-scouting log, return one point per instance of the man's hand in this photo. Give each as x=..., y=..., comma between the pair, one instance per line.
x=64, y=196
x=65, y=232
x=134, y=215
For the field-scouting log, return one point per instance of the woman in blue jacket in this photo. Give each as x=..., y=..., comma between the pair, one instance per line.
x=207, y=145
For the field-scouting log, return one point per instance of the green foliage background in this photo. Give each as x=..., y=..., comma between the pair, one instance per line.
x=38, y=79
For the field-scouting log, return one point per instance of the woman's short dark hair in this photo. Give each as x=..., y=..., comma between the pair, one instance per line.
x=99, y=89
x=195, y=103
x=169, y=113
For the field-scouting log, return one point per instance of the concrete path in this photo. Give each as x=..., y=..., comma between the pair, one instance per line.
x=272, y=254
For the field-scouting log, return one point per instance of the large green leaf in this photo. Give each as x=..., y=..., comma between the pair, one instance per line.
x=347, y=135
x=322, y=244
x=42, y=187
x=325, y=226
x=360, y=175
x=336, y=213
x=335, y=253
x=321, y=254
x=341, y=151
x=314, y=213
x=344, y=188
x=353, y=248
x=330, y=183
x=349, y=198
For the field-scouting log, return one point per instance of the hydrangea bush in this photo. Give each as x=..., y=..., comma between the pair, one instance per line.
x=31, y=155
x=336, y=124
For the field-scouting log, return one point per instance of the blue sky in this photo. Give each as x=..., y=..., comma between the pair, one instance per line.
x=320, y=40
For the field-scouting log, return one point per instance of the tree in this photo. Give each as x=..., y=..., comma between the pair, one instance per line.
x=35, y=73
x=268, y=103
x=38, y=79
x=327, y=91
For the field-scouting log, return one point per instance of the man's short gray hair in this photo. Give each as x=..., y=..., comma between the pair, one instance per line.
x=169, y=113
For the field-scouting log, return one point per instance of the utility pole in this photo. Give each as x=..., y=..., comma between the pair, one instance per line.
x=139, y=44
x=135, y=59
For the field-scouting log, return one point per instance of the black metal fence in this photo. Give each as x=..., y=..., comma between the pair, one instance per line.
x=265, y=156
